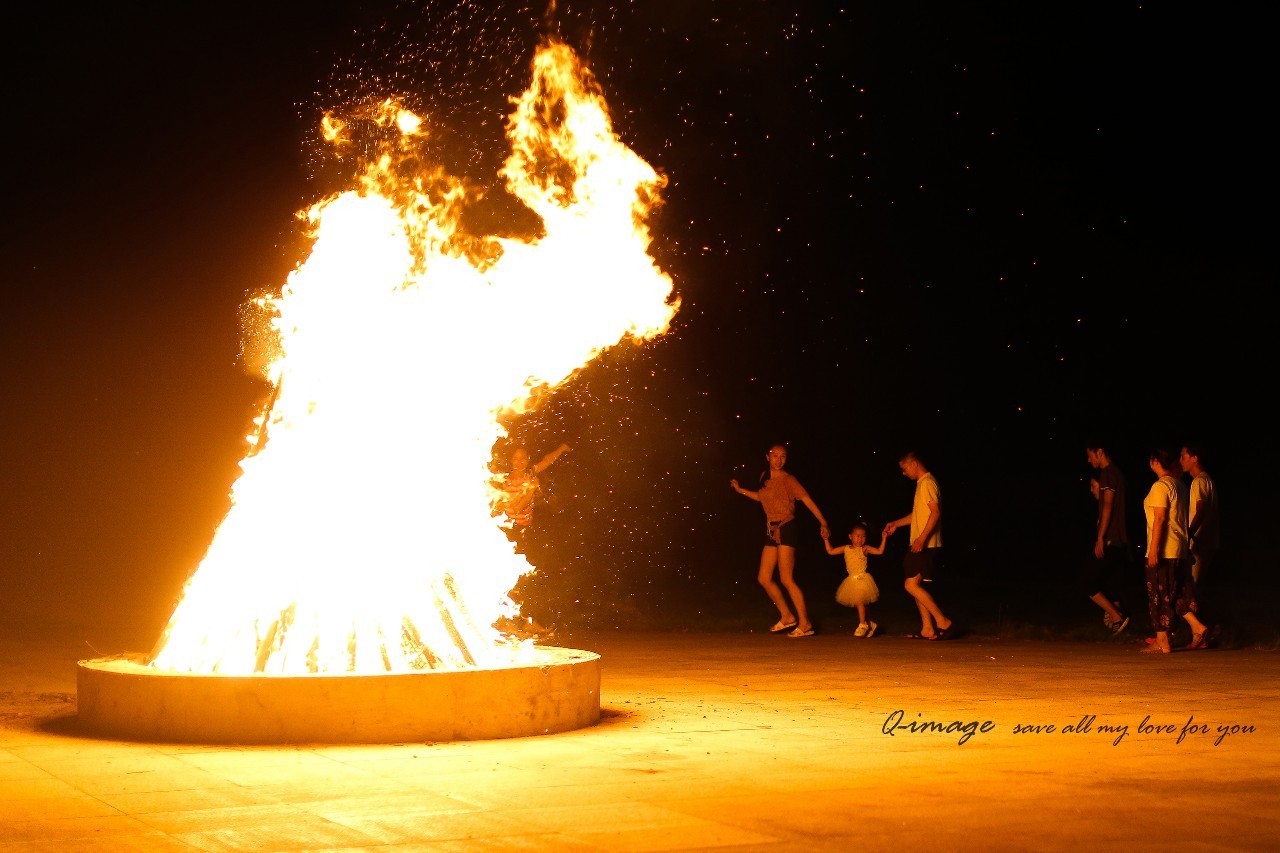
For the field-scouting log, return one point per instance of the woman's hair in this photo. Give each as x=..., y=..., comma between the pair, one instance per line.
x=1163, y=456
x=764, y=475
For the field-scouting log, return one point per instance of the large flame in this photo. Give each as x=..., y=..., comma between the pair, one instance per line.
x=360, y=535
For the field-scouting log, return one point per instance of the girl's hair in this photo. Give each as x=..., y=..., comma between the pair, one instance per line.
x=858, y=525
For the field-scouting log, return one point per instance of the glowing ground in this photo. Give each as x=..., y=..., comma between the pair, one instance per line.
x=740, y=741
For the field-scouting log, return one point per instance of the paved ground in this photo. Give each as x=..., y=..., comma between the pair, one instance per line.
x=740, y=741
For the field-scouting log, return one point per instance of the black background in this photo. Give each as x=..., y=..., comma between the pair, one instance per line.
x=984, y=234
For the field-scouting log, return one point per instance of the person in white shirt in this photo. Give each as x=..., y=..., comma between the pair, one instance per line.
x=1203, y=536
x=1169, y=590
x=1202, y=513
x=922, y=561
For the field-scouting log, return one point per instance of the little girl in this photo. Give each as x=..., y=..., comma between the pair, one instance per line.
x=859, y=589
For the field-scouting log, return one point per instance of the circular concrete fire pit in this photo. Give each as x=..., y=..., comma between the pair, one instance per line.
x=557, y=691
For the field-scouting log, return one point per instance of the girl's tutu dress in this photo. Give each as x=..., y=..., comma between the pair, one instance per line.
x=859, y=587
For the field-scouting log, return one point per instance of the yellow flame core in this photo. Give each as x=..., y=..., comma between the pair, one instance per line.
x=360, y=536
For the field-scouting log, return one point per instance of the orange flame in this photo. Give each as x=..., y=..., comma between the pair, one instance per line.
x=360, y=536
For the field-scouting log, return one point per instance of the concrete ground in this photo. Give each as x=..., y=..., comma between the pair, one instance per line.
x=708, y=741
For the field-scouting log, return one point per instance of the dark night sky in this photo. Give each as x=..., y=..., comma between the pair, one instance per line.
x=987, y=234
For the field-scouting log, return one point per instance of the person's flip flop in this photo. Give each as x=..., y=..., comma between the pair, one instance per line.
x=943, y=634
x=916, y=637
x=807, y=632
x=779, y=627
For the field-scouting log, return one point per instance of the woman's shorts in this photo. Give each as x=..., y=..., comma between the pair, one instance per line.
x=784, y=533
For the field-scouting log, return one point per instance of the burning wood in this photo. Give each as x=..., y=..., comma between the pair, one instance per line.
x=359, y=536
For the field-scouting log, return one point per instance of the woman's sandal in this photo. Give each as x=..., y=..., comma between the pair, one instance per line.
x=807, y=632
x=1198, y=641
x=780, y=627
x=1154, y=649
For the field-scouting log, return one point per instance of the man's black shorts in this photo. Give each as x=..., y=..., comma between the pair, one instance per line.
x=923, y=563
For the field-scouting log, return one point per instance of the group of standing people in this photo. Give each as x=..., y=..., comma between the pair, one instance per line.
x=778, y=494
x=1182, y=541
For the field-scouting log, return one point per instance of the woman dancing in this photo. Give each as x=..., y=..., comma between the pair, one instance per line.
x=778, y=494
